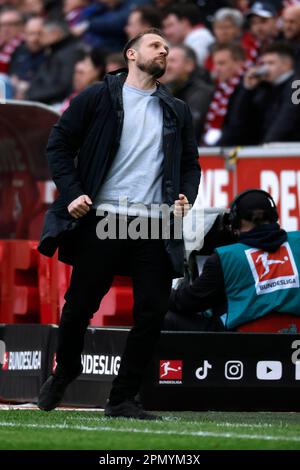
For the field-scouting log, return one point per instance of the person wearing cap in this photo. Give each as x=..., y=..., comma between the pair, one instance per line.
x=253, y=277
x=262, y=18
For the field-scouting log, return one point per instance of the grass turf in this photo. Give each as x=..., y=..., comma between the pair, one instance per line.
x=30, y=429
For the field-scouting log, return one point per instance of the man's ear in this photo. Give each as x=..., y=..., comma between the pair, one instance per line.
x=131, y=54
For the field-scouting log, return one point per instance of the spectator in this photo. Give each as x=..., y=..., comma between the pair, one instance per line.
x=106, y=27
x=142, y=18
x=263, y=110
x=291, y=30
x=11, y=29
x=228, y=67
x=228, y=28
x=189, y=83
x=263, y=26
x=239, y=275
x=182, y=25
x=76, y=13
x=227, y=25
x=114, y=61
x=53, y=82
x=28, y=57
x=87, y=71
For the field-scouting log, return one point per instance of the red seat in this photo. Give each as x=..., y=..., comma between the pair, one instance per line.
x=19, y=299
x=273, y=323
x=116, y=306
x=32, y=288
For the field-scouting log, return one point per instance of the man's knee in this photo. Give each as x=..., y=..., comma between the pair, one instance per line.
x=75, y=313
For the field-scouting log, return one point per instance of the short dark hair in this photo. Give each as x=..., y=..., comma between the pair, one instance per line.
x=132, y=42
x=187, y=11
x=150, y=15
x=236, y=50
x=282, y=49
x=188, y=52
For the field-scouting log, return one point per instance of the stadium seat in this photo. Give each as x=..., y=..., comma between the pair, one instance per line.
x=116, y=306
x=19, y=300
x=272, y=323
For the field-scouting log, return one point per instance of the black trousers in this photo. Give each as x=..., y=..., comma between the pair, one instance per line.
x=98, y=261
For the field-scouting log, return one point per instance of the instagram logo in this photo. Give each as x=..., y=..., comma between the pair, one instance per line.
x=234, y=370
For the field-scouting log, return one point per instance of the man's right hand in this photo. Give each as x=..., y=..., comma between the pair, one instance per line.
x=80, y=206
x=251, y=79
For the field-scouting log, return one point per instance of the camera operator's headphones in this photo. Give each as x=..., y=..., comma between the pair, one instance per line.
x=234, y=217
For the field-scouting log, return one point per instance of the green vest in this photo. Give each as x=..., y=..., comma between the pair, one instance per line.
x=258, y=282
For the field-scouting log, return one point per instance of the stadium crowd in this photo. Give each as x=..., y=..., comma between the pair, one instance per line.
x=234, y=62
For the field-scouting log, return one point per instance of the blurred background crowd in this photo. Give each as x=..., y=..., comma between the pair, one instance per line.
x=234, y=62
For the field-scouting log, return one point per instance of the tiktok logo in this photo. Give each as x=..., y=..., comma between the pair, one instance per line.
x=201, y=372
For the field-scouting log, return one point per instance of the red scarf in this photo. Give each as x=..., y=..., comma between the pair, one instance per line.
x=66, y=103
x=219, y=105
x=252, y=48
x=6, y=52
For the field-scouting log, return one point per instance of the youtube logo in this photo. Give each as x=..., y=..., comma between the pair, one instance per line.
x=269, y=370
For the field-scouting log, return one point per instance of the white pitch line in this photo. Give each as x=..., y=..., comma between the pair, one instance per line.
x=156, y=432
x=185, y=420
x=32, y=407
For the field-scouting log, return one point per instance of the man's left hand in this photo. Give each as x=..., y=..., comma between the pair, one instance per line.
x=182, y=206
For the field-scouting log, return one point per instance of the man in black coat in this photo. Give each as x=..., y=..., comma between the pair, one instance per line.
x=53, y=81
x=131, y=139
x=190, y=84
x=263, y=109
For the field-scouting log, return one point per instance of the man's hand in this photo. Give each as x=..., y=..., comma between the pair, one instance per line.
x=80, y=206
x=253, y=77
x=182, y=206
x=79, y=29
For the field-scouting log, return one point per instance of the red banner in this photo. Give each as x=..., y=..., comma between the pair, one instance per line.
x=275, y=169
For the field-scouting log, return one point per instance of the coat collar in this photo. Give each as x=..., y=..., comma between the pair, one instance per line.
x=116, y=80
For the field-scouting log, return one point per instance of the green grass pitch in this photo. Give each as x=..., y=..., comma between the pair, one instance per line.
x=30, y=429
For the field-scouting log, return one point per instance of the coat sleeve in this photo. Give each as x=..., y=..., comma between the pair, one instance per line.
x=52, y=84
x=285, y=125
x=242, y=122
x=65, y=141
x=190, y=172
x=207, y=290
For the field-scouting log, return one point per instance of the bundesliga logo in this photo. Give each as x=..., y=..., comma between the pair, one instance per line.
x=273, y=271
x=170, y=372
x=22, y=360
x=5, y=361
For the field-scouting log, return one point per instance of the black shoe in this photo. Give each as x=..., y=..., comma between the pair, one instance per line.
x=53, y=389
x=128, y=409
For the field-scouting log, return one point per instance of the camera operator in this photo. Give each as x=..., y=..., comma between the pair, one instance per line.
x=255, y=276
x=263, y=110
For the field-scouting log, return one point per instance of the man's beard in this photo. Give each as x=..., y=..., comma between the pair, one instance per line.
x=153, y=68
